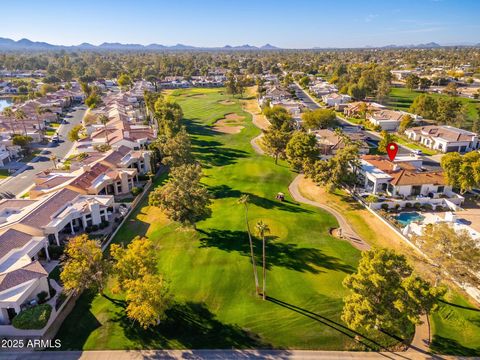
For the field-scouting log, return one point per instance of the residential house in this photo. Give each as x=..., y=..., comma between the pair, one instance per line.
x=354, y=109
x=334, y=99
x=330, y=142
x=388, y=120
x=444, y=138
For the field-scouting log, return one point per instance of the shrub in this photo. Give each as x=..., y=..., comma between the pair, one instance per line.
x=397, y=207
x=60, y=300
x=136, y=190
x=371, y=199
x=428, y=207
x=384, y=207
x=143, y=177
x=42, y=297
x=439, y=208
x=417, y=206
x=104, y=224
x=408, y=205
x=33, y=318
x=55, y=251
x=91, y=228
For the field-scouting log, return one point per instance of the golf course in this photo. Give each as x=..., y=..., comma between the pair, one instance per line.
x=209, y=269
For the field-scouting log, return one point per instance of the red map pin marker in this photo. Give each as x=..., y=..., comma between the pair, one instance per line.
x=392, y=150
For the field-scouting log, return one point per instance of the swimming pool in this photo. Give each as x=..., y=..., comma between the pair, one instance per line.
x=406, y=218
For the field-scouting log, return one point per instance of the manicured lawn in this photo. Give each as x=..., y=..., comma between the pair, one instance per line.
x=415, y=146
x=209, y=269
x=402, y=98
x=456, y=327
x=50, y=132
x=3, y=173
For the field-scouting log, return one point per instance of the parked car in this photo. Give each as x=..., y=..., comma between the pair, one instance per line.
x=417, y=152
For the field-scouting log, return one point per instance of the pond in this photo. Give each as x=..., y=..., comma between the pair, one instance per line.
x=406, y=218
x=5, y=103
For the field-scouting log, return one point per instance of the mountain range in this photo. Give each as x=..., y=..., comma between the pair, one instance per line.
x=26, y=44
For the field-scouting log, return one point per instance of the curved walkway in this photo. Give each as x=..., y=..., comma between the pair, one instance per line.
x=346, y=230
x=421, y=341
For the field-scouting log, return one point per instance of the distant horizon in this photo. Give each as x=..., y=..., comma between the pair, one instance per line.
x=244, y=44
x=304, y=24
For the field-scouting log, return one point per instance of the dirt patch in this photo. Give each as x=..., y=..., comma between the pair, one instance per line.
x=234, y=117
x=335, y=232
x=251, y=106
x=230, y=124
x=227, y=102
x=195, y=96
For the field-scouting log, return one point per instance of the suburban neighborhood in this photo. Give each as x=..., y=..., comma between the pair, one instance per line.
x=237, y=201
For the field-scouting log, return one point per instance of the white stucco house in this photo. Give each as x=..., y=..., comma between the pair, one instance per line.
x=444, y=138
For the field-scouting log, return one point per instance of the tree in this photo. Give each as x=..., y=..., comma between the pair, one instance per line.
x=386, y=294
x=405, y=123
x=451, y=89
x=54, y=159
x=244, y=199
x=455, y=250
x=461, y=172
x=8, y=113
x=168, y=115
x=176, y=150
x=278, y=117
x=318, y=119
x=20, y=115
x=74, y=133
x=124, y=81
x=412, y=82
x=447, y=110
x=339, y=169
x=275, y=141
x=301, y=148
x=83, y=266
x=231, y=84
x=22, y=141
x=387, y=138
x=133, y=262
x=424, y=84
x=262, y=230
x=183, y=198
x=425, y=106
x=103, y=119
x=357, y=92
x=147, y=298
x=93, y=100
x=304, y=81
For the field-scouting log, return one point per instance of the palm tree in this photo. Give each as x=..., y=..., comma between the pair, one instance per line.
x=39, y=111
x=244, y=199
x=104, y=120
x=21, y=116
x=262, y=230
x=8, y=113
x=53, y=157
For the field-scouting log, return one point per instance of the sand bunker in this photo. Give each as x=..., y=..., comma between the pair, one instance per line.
x=226, y=102
x=230, y=124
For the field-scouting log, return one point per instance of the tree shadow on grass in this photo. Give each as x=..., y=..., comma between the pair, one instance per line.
x=443, y=345
x=288, y=256
x=79, y=324
x=192, y=325
x=459, y=306
x=225, y=191
x=214, y=153
x=366, y=341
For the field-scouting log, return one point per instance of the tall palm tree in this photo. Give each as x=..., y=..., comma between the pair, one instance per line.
x=244, y=199
x=104, y=120
x=21, y=116
x=53, y=157
x=39, y=111
x=8, y=113
x=262, y=230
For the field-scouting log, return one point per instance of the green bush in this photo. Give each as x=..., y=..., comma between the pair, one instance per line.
x=417, y=206
x=384, y=207
x=33, y=318
x=408, y=205
x=136, y=190
x=42, y=297
x=55, y=251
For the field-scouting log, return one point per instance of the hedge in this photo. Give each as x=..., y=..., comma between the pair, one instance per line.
x=33, y=318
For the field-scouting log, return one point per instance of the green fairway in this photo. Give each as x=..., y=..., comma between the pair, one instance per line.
x=456, y=327
x=402, y=98
x=209, y=269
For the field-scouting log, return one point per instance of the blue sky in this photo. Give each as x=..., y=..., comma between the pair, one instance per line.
x=289, y=24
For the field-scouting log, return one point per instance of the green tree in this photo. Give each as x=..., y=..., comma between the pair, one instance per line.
x=405, y=123
x=22, y=141
x=263, y=230
x=8, y=113
x=176, y=150
x=74, y=133
x=278, y=117
x=83, y=266
x=425, y=106
x=336, y=171
x=275, y=141
x=387, y=138
x=93, y=100
x=103, y=119
x=301, y=148
x=21, y=116
x=304, y=81
x=124, y=81
x=461, y=172
x=244, y=200
x=386, y=294
x=168, y=115
x=456, y=251
x=412, y=82
x=183, y=198
x=357, y=92
x=318, y=119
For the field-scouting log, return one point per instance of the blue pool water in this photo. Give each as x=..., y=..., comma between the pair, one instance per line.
x=406, y=218
x=5, y=103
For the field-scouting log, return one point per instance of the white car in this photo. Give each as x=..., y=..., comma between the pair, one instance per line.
x=417, y=152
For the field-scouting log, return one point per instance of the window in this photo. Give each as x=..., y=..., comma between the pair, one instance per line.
x=440, y=189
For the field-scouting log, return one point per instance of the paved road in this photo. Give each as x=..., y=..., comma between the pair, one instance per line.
x=373, y=137
x=216, y=355
x=19, y=183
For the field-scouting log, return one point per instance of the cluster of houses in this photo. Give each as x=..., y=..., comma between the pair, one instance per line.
x=180, y=82
x=83, y=194
x=38, y=115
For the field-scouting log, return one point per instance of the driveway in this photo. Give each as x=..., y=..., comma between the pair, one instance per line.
x=19, y=183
